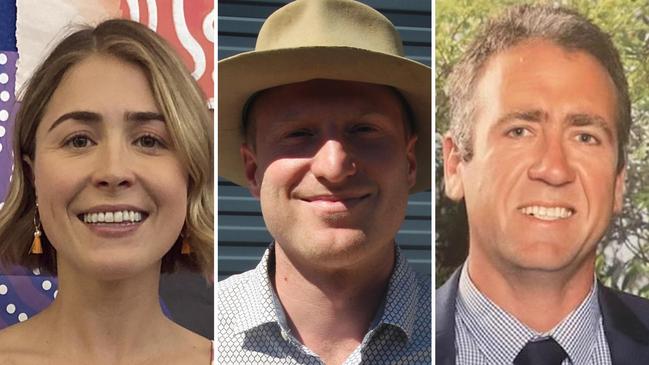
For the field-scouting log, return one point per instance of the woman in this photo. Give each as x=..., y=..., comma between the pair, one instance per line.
x=112, y=185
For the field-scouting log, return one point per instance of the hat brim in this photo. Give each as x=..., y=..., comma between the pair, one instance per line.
x=242, y=75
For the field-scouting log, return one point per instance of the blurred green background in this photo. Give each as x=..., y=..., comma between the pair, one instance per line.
x=623, y=258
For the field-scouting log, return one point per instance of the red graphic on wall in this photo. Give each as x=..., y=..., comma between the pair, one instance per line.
x=188, y=26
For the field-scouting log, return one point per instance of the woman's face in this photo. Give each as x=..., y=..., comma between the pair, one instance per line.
x=111, y=190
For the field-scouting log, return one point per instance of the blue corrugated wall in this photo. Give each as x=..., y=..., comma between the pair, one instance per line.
x=242, y=237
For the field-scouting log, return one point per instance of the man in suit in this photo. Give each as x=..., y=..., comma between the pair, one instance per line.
x=540, y=119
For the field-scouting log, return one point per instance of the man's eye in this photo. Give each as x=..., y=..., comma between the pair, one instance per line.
x=364, y=128
x=78, y=141
x=149, y=142
x=587, y=138
x=300, y=133
x=518, y=132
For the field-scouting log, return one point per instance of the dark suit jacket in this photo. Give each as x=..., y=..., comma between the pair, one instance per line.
x=625, y=317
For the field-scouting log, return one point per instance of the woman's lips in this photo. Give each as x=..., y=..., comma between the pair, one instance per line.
x=113, y=230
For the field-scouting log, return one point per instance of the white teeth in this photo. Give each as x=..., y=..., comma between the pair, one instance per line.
x=125, y=216
x=547, y=213
x=542, y=211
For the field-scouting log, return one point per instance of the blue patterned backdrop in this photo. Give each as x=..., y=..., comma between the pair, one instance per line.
x=8, y=58
x=23, y=293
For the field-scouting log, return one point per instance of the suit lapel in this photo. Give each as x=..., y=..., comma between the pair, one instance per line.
x=445, y=320
x=626, y=332
x=624, y=318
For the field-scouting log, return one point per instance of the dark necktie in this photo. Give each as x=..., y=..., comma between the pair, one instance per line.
x=545, y=352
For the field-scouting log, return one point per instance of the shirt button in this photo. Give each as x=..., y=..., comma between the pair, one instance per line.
x=284, y=335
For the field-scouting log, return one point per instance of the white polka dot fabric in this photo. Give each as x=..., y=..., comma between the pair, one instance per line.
x=23, y=294
x=8, y=106
x=252, y=330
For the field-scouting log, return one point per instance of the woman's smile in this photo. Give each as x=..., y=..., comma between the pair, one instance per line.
x=113, y=221
x=111, y=167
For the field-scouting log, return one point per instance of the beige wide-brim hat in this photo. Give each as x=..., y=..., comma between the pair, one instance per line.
x=321, y=39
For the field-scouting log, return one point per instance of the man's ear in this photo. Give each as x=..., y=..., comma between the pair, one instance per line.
x=250, y=166
x=411, y=155
x=618, y=202
x=453, y=184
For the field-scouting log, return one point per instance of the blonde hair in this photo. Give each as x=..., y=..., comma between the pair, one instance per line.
x=182, y=104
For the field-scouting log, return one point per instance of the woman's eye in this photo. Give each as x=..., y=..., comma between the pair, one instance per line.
x=78, y=141
x=148, y=142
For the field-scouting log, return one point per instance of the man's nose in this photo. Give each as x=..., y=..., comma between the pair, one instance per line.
x=552, y=165
x=113, y=168
x=333, y=162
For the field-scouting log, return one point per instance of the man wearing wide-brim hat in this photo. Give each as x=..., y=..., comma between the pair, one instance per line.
x=328, y=124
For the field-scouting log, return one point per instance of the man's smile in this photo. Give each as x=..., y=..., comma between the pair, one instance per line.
x=547, y=212
x=335, y=203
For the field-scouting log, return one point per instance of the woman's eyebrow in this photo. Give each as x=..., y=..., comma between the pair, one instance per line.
x=144, y=116
x=81, y=115
x=92, y=117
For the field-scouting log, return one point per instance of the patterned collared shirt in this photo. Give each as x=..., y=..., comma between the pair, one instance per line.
x=252, y=326
x=485, y=334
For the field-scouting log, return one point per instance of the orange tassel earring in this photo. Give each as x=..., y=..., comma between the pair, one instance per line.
x=37, y=247
x=185, y=248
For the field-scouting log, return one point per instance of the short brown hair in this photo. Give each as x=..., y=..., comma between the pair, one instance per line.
x=566, y=28
x=182, y=105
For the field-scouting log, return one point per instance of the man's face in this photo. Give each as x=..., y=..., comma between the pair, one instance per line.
x=542, y=185
x=332, y=167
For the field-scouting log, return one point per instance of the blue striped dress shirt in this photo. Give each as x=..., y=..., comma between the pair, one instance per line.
x=487, y=335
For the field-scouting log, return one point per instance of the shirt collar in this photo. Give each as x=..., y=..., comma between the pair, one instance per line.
x=500, y=336
x=261, y=306
x=399, y=309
